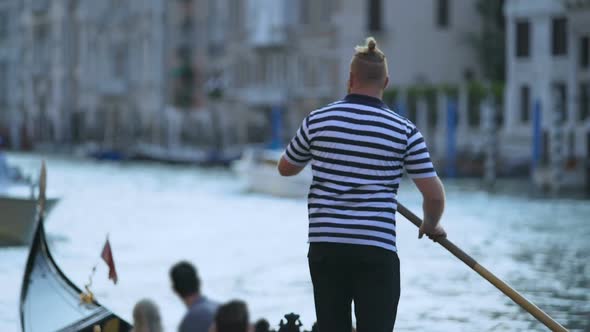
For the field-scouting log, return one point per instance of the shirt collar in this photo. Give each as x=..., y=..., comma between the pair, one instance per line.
x=364, y=99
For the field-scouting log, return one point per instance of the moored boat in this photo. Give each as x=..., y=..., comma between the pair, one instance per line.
x=17, y=206
x=17, y=219
x=50, y=301
x=258, y=169
x=185, y=155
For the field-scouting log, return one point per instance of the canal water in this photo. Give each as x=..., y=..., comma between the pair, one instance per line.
x=253, y=247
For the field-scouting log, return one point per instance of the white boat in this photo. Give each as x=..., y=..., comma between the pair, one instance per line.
x=17, y=206
x=258, y=169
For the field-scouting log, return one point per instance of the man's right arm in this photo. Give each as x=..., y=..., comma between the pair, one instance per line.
x=420, y=169
x=433, y=205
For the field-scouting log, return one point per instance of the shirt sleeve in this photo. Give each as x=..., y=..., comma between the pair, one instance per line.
x=417, y=158
x=298, y=151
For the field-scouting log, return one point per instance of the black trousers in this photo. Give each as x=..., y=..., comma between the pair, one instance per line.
x=367, y=276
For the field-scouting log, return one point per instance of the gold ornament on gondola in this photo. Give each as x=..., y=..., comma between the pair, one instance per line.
x=88, y=297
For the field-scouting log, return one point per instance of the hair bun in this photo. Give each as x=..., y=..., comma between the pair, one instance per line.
x=371, y=44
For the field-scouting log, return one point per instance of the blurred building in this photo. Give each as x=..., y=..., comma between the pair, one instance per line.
x=195, y=53
x=426, y=43
x=548, y=68
x=90, y=69
x=116, y=72
x=47, y=68
x=186, y=51
x=294, y=55
x=112, y=72
x=10, y=60
x=121, y=70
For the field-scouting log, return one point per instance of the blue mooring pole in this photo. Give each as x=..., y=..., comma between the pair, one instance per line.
x=536, y=156
x=400, y=108
x=451, y=159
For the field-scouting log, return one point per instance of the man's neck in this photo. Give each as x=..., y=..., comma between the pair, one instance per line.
x=367, y=92
x=189, y=300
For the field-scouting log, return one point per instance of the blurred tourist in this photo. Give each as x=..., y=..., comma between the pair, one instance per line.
x=187, y=286
x=232, y=317
x=146, y=317
x=262, y=325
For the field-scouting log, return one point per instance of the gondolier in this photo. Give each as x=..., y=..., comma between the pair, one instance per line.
x=358, y=149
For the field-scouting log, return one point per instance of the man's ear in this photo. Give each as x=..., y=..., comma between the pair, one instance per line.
x=386, y=82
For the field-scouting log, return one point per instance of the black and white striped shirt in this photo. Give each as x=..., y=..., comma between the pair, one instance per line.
x=358, y=150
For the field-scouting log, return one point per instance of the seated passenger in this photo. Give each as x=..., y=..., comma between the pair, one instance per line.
x=232, y=317
x=146, y=317
x=187, y=286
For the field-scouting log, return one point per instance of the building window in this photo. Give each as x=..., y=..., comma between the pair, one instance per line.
x=233, y=17
x=442, y=13
x=585, y=52
x=584, y=102
x=559, y=36
x=326, y=9
x=525, y=103
x=3, y=25
x=120, y=63
x=559, y=104
x=374, y=16
x=571, y=145
x=3, y=83
x=523, y=37
x=304, y=11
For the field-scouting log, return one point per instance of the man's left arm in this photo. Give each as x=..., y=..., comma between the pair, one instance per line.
x=297, y=154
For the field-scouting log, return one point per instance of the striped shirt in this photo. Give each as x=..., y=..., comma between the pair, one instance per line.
x=358, y=150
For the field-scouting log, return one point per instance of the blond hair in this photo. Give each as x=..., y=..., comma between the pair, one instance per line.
x=369, y=64
x=146, y=317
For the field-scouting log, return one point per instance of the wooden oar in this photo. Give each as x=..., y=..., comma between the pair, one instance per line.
x=489, y=276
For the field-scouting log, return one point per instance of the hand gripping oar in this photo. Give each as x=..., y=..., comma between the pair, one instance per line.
x=489, y=276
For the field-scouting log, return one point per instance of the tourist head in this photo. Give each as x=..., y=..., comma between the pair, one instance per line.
x=232, y=317
x=185, y=281
x=146, y=317
x=262, y=325
x=368, y=69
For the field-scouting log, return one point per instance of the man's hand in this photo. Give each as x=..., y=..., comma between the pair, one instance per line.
x=434, y=233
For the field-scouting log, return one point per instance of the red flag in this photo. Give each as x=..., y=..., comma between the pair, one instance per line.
x=107, y=256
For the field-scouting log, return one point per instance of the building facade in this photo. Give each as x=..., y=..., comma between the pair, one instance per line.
x=294, y=55
x=112, y=72
x=122, y=71
x=10, y=60
x=426, y=45
x=548, y=69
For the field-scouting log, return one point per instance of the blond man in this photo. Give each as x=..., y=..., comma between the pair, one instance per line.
x=358, y=149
